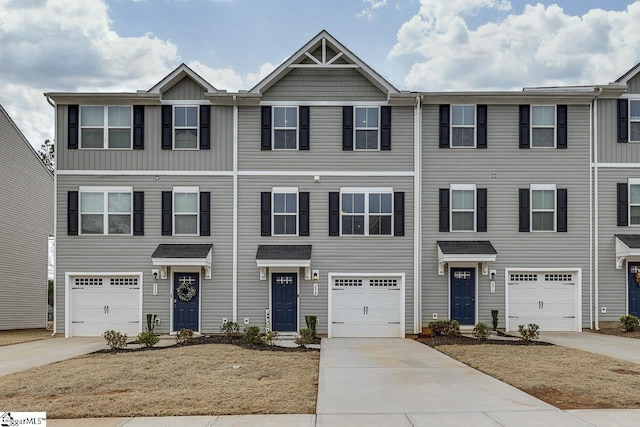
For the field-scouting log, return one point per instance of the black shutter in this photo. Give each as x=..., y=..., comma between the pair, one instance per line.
x=72, y=127
x=524, y=209
x=444, y=128
x=561, y=138
x=303, y=126
x=623, y=120
x=347, y=129
x=138, y=213
x=481, y=125
x=385, y=128
x=138, y=127
x=444, y=209
x=265, y=213
x=167, y=212
x=303, y=212
x=561, y=195
x=481, y=210
x=334, y=213
x=623, y=204
x=265, y=128
x=398, y=213
x=167, y=124
x=72, y=213
x=524, y=127
x=205, y=213
x=205, y=127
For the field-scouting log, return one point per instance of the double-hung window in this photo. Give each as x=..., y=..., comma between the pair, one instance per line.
x=105, y=127
x=367, y=127
x=543, y=126
x=185, y=127
x=366, y=212
x=285, y=211
x=185, y=211
x=543, y=207
x=634, y=120
x=105, y=210
x=634, y=202
x=463, y=207
x=285, y=128
x=463, y=126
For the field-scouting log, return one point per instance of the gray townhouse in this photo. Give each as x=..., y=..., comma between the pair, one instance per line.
x=326, y=191
x=26, y=224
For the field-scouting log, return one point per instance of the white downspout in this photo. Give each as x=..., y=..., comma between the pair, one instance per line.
x=591, y=130
x=417, y=219
x=234, y=267
x=596, y=198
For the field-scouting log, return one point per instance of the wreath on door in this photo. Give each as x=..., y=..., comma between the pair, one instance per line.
x=186, y=292
x=638, y=278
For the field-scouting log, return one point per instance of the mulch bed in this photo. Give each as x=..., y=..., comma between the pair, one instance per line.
x=435, y=341
x=212, y=339
x=615, y=331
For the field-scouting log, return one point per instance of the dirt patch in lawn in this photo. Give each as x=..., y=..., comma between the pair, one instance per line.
x=18, y=336
x=563, y=377
x=209, y=379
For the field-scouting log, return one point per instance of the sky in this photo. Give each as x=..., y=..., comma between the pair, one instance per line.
x=423, y=45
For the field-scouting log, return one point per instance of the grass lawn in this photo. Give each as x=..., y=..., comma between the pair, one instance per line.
x=190, y=380
x=18, y=336
x=563, y=377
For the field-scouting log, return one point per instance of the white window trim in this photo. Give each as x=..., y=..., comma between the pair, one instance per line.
x=284, y=190
x=630, y=120
x=105, y=211
x=534, y=187
x=474, y=127
x=195, y=190
x=632, y=181
x=458, y=187
x=105, y=127
x=366, y=192
x=356, y=128
x=555, y=126
x=274, y=128
x=174, y=127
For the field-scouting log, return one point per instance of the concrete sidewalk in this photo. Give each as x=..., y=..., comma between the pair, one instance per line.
x=608, y=345
x=18, y=357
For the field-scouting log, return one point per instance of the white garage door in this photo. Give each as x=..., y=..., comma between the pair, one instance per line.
x=548, y=299
x=102, y=303
x=366, y=307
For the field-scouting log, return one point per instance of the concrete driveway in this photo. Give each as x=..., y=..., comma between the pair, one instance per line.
x=18, y=357
x=607, y=345
x=402, y=382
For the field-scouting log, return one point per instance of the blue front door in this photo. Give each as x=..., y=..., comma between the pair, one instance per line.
x=284, y=302
x=186, y=301
x=463, y=295
x=634, y=288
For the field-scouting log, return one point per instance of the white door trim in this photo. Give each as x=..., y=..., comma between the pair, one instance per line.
x=182, y=269
x=284, y=270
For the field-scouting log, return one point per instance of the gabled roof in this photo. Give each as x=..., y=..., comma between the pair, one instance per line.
x=623, y=79
x=324, y=51
x=178, y=74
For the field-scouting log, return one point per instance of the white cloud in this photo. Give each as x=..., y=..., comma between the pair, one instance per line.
x=542, y=46
x=371, y=6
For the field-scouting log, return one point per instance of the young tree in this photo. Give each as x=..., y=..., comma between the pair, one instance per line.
x=48, y=154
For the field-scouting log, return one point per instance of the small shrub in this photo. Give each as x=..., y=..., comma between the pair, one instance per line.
x=147, y=339
x=251, y=335
x=629, y=323
x=447, y=328
x=312, y=323
x=481, y=331
x=494, y=319
x=531, y=332
x=184, y=336
x=151, y=321
x=306, y=337
x=230, y=328
x=115, y=340
x=269, y=338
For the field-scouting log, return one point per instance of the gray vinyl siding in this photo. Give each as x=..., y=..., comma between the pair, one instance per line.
x=612, y=282
x=153, y=157
x=514, y=168
x=186, y=89
x=609, y=149
x=330, y=254
x=133, y=253
x=320, y=84
x=633, y=85
x=325, y=146
x=26, y=222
